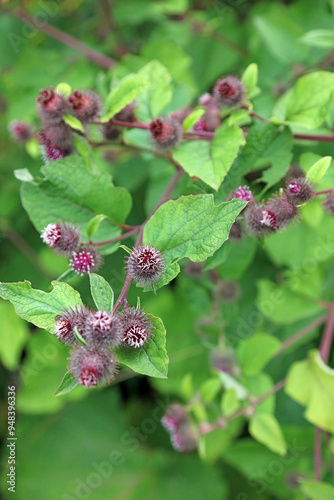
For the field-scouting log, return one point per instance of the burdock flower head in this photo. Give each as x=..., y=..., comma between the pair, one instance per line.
x=92, y=366
x=166, y=133
x=241, y=193
x=67, y=321
x=103, y=328
x=229, y=91
x=328, y=203
x=145, y=265
x=50, y=105
x=85, y=260
x=299, y=189
x=177, y=422
x=20, y=131
x=136, y=327
x=85, y=105
x=62, y=237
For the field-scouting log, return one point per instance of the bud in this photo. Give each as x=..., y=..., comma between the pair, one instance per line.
x=242, y=193
x=86, y=105
x=224, y=361
x=229, y=91
x=85, y=260
x=236, y=232
x=229, y=291
x=50, y=105
x=328, y=203
x=281, y=210
x=200, y=126
x=102, y=328
x=92, y=366
x=57, y=136
x=299, y=189
x=166, y=133
x=145, y=265
x=126, y=114
x=62, y=237
x=259, y=221
x=184, y=439
x=110, y=131
x=205, y=99
x=20, y=131
x=67, y=320
x=51, y=153
x=174, y=417
x=136, y=327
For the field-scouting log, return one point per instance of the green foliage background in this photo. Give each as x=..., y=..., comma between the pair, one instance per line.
x=63, y=441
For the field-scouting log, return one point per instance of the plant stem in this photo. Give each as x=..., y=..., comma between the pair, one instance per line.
x=315, y=137
x=301, y=333
x=117, y=238
x=323, y=192
x=222, y=422
x=165, y=197
x=327, y=338
x=64, y=38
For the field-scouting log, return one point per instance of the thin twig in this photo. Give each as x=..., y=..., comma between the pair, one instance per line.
x=301, y=333
x=117, y=238
x=327, y=338
x=64, y=38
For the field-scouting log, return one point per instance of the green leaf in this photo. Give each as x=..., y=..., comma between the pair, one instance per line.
x=124, y=94
x=309, y=102
x=210, y=389
x=318, y=170
x=151, y=359
x=211, y=161
x=23, y=174
x=257, y=385
x=255, y=352
x=317, y=491
x=94, y=224
x=38, y=307
x=14, y=335
x=319, y=38
x=264, y=141
x=66, y=385
x=78, y=336
x=152, y=101
x=265, y=428
x=102, y=292
x=71, y=192
x=33, y=148
x=74, y=123
x=64, y=89
x=230, y=382
x=311, y=383
x=192, y=118
x=229, y=403
x=281, y=305
x=249, y=78
x=192, y=227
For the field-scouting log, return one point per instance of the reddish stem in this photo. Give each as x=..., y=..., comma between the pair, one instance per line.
x=327, y=338
x=323, y=192
x=301, y=333
x=117, y=238
x=315, y=137
x=65, y=38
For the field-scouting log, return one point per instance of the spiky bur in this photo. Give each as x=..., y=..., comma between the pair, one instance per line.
x=229, y=291
x=85, y=260
x=51, y=153
x=136, y=327
x=109, y=131
x=259, y=221
x=56, y=141
x=328, y=202
x=242, y=193
x=299, y=189
x=229, y=91
x=280, y=211
x=92, y=366
x=236, y=232
x=224, y=361
x=85, y=105
x=126, y=114
x=51, y=106
x=67, y=320
x=166, y=133
x=177, y=423
x=64, y=238
x=20, y=131
x=145, y=265
x=103, y=328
